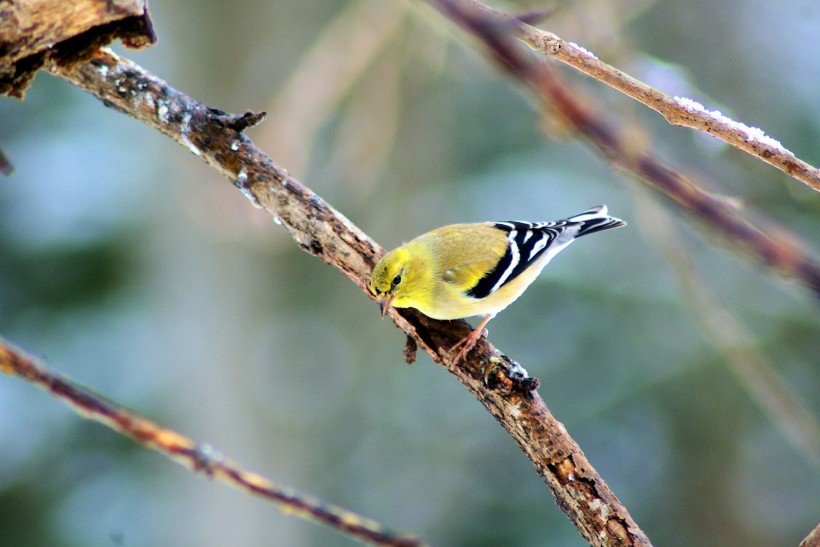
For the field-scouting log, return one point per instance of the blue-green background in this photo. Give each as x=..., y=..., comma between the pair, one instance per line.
x=130, y=266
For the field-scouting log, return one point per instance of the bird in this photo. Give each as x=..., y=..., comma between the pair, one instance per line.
x=464, y=270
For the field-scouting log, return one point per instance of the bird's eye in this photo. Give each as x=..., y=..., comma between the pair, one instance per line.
x=396, y=280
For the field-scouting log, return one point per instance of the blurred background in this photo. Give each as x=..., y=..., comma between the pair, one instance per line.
x=133, y=268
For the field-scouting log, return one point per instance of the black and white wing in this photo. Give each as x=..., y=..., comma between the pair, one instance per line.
x=533, y=244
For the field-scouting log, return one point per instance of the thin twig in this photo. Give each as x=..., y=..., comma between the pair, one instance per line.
x=679, y=111
x=199, y=458
x=324, y=232
x=782, y=254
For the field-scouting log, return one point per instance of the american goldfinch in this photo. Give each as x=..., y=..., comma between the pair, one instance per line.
x=462, y=270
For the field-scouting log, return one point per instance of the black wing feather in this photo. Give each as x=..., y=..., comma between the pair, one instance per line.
x=528, y=241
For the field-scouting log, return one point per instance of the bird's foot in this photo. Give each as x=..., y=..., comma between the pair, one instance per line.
x=467, y=343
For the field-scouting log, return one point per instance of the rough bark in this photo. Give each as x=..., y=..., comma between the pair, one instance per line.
x=36, y=32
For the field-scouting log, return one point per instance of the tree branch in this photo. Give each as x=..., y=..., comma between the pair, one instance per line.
x=781, y=252
x=813, y=539
x=38, y=32
x=676, y=110
x=500, y=384
x=198, y=458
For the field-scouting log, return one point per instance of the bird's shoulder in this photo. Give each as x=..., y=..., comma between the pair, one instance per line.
x=464, y=253
x=517, y=245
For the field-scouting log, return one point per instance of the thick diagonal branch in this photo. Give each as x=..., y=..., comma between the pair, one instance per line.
x=327, y=234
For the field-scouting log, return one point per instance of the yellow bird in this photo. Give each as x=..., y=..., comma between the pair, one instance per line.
x=462, y=270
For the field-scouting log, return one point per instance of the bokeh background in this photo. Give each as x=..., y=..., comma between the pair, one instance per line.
x=133, y=268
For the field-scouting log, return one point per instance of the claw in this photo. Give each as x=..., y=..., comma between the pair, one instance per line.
x=467, y=343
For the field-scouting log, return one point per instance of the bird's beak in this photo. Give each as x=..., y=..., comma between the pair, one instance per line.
x=385, y=304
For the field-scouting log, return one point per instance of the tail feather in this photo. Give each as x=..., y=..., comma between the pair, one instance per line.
x=594, y=220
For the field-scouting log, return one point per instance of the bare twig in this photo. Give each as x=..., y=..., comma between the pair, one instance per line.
x=199, y=458
x=677, y=110
x=780, y=253
x=322, y=231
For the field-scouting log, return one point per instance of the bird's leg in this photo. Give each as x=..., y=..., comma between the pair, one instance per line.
x=468, y=342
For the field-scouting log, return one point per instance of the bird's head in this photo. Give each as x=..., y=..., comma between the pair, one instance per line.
x=395, y=281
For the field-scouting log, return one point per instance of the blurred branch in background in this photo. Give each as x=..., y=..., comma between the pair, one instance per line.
x=732, y=339
x=6, y=168
x=320, y=230
x=677, y=110
x=338, y=59
x=782, y=254
x=198, y=458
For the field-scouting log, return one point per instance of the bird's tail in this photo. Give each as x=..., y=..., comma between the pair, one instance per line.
x=594, y=220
